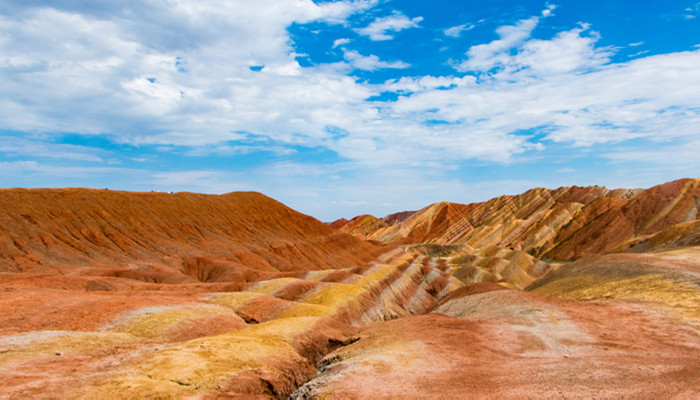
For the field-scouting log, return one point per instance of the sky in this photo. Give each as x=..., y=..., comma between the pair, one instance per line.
x=340, y=108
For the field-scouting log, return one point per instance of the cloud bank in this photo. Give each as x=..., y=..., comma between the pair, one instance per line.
x=224, y=75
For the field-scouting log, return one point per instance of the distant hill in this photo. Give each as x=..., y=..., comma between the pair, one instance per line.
x=561, y=224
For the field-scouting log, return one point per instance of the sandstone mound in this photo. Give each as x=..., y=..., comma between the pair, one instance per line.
x=486, y=343
x=265, y=341
x=667, y=281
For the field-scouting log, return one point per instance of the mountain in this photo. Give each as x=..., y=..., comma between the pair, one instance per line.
x=161, y=237
x=514, y=239
x=551, y=293
x=561, y=224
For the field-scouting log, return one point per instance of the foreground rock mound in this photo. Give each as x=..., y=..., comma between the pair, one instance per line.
x=495, y=343
x=265, y=341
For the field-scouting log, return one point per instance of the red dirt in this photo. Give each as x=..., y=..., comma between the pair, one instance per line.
x=26, y=310
x=631, y=352
x=474, y=288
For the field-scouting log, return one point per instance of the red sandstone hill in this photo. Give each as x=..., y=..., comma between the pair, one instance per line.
x=560, y=224
x=161, y=237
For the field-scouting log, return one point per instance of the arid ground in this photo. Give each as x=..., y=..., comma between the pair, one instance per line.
x=577, y=292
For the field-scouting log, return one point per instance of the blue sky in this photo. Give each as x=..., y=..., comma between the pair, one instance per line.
x=339, y=108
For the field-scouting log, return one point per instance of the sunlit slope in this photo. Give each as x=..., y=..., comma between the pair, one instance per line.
x=668, y=281
x=561, y=224
x=486, y=341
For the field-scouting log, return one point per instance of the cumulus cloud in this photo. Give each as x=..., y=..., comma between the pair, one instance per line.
x=383, y=28
x=497, y=54
x=548, y=10
x=576, y=97
x=407, y=85
x=172, y=78
x=95, y=75
x=484, y=57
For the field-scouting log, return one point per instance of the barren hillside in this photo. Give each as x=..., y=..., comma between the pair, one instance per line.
x=107, y=294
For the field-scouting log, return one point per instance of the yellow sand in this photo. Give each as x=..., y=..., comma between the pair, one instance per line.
x=268, y=287
x=154, y=322
x=203, y=364
x=672, y=295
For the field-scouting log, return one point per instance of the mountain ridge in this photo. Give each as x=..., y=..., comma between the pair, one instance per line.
x=545, y=223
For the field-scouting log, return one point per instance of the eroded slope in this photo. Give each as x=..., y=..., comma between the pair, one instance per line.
x=561, y=224
x=166, y=238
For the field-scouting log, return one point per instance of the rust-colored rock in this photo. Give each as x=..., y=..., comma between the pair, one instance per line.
x=191, y=237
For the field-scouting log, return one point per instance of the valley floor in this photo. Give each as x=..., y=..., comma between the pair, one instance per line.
x=613, y=326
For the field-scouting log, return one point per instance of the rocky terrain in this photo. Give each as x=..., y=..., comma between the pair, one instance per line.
x=573, y=292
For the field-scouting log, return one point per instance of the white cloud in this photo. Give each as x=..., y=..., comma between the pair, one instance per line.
x=371, y=62
x=639, y=53
x=185, y=79
x=547, y=12
x=383, y=28
x=68, y=71
x=692, y=12
x=421, y=84
x=150, y=88
x=202, y=181
x=645, y=98
x=567, y=52
x=340, y=42
x=56, y=173
x=483, y=57
x=674, y=154
x=496, y=54
x=456, y=31
x=38, y=148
